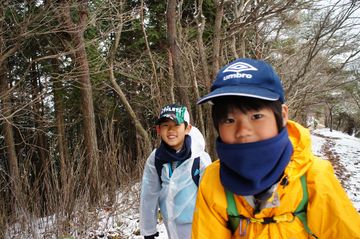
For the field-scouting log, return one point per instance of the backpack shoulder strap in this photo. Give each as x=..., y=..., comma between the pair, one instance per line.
x=301, y=210
x=195, y=171
x=232, y=211
x=158, y=166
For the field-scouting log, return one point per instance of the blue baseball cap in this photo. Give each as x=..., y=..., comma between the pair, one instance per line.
x=249, y=78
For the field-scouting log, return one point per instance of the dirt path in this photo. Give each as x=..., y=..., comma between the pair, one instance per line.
x=334, y=158
x=340, y=170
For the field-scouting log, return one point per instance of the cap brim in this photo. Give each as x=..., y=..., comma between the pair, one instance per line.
x=164, y=118
x=247, y=91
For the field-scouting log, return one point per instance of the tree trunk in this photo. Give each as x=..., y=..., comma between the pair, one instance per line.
x=147, y=147
x=199, y=112
x=171, y=80
x=331, y=118
x=42, y=164
x=210, y=136
x=76, y=32
x=61, y=133
x=200, y=22
x=6, y=118
x=155, y=88
x=60, y=126
x=203, y=111
x=217, y=38
x=7, y=127
x=179, y=76
x=87, y=107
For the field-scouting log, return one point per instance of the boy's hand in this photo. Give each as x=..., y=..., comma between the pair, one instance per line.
x=152, y=236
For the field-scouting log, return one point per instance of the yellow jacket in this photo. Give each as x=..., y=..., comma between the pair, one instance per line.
x=330, y=213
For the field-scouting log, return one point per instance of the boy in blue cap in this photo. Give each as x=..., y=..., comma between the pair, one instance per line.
x=171, y=175
x=267, y=183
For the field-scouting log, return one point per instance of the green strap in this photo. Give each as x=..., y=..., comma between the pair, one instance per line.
x=232, y=211
x=301, y=210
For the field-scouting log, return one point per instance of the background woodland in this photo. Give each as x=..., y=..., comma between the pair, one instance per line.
x=82, y=81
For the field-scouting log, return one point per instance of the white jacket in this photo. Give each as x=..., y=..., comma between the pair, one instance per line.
x=177, y=194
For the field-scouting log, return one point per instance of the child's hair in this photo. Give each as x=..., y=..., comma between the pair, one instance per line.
x=223, y=105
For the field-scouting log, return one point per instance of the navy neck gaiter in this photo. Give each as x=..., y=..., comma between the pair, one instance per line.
x=165, y=154
x=250, y=168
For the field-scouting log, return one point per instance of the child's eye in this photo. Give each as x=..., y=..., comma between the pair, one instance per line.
x=228, y=121
x=257, y=116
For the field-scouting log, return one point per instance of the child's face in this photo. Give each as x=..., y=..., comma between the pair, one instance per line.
x=173, y=134
x=249, y=127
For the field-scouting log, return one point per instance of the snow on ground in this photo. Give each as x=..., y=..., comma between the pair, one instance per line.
x=346, y=150
x=122, y=220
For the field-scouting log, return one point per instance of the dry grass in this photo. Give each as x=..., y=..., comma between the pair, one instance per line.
x=58, y=207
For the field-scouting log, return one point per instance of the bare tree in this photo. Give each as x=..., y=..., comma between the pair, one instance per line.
x=175, y=54
x=111, y=59
x=7, y=111
x=318, y=64
x=216, y=61
x=76, y=31
x=155, y=89
x=6, y=118
x=60, y=126
x=200, y=22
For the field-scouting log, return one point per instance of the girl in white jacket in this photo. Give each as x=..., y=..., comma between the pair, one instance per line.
x=171, y=175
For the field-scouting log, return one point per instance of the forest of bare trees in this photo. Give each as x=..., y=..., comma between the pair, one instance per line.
x=81, y=82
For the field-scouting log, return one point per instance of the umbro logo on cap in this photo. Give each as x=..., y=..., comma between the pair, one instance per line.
x=237, y=68
x=240, y=67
